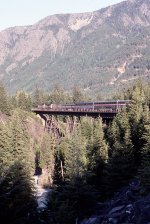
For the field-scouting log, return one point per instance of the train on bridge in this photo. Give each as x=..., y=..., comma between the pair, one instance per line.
x=104, y=106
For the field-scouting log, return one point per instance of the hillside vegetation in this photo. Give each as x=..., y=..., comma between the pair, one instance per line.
x=85, y=165
x=98, y=51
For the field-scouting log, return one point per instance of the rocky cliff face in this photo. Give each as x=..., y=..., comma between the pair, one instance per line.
x=28, y=43
x=126, y=207
x=101, y=49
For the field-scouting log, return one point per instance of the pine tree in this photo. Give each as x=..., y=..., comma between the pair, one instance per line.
x=77, y=95
x=97, y=151
x=87, y=128
x=76, y=157
x=20, y=138
x=101, y=149
x=17, y=204
x=144, y=121
x=59, y=96
x=48, y=148
x=135, y=112
x=6, y=157
x=23, y=101
x=113, y=136
x=38, y=97
x=144, y=170
x=4, y=101
x=122, y=155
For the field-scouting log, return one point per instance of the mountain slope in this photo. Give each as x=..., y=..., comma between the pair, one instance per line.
x=99, y=50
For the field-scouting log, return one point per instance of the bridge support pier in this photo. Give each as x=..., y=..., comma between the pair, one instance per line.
x=53, y=124
x=54, y=120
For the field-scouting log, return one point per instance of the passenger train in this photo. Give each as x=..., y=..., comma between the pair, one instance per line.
x=113, y=105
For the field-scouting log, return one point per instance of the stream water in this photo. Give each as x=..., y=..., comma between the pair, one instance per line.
x=41, y=194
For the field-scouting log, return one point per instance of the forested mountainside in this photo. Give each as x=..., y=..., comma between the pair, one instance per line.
x=84, y=166
x=105, y=49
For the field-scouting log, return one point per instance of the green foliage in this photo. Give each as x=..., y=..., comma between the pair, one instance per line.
x=23, y=101
x=89, y=155
x=128, y=138
x=121, y=164
x=38, y=98
x=48, y=150
x=138, y=113
x=59, y=96
x=72, y=202
x=4, y=100
x=6, y=157
x=97, y=151
x=20, y=138
x=144, y=170
x=76, y=157
x=17, y=204
x=100, y=146
x=77, y=95
x=91, y=58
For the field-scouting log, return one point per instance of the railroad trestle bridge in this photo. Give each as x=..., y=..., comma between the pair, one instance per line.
x=107, y=110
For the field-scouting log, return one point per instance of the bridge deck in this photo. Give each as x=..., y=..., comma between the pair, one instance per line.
x=108, y=114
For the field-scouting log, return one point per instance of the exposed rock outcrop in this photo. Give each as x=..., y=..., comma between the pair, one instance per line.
x=127, y=206
x=87, y=49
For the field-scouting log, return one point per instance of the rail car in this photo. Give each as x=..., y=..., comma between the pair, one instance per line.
x=113, y=105
x=104, y=102
x=97, y=105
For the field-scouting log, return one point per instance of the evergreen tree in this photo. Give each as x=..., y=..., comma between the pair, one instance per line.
x=100, y=146
x=38, y=160
x=97, y=151
x=77, y=95
x=38, y=97
x=135, y=112
x=87, y=128
x=71, y=202
x=59, y=96
x=76, y=157
x=48, y=148
x=113, y=136
x=144, y=170
x=122, y=155
x=4, y=101
x=17, y=204
x=23, y=101
x=6, y=157
x=20, y=138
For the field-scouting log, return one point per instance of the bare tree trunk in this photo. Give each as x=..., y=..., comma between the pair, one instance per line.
x=62, y=171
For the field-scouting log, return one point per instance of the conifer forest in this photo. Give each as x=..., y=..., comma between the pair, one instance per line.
x=83, y=168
